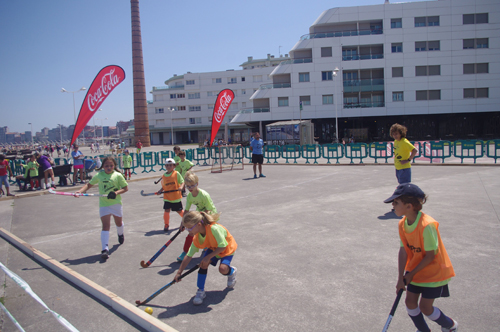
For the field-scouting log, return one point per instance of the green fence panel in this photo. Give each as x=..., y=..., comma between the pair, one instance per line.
x=437, y=150
x=332, y=151
x=219, y=153
x=247, y=153
x=381, y=150
x=161, y=156
x=417, y=146
x=16, y=165
x=147, y=160
x=356, y=151
x=272, y=152
x=235, y=154
x=189, y=154
x=468, y=149
x=311, y=151
x=493, y=149
x=290, y=152
x=201, y=154
x=60, y=161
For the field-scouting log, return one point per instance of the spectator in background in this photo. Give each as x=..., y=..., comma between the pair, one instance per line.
x=257, y=154
x=4, y=168
x=78, y=166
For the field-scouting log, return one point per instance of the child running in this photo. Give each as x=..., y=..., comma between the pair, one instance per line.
x=127, y=163
x=112, y=183
x=221, y=246
x=423, y=263
x=185, y=165
x=171, y=185
x=203, y=202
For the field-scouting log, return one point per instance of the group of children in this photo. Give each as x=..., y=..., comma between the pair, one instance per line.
x=204, y=231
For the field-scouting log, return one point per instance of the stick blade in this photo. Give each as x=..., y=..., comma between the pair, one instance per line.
x=144, y=264
x=138, y=302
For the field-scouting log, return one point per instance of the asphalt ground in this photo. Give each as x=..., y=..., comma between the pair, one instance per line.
x=317, y=251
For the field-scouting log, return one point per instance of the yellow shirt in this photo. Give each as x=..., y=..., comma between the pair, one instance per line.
x=402, y=151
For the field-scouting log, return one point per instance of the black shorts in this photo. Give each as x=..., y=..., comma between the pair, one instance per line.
x=430, y=292
x=172, y=206
x=257, y=159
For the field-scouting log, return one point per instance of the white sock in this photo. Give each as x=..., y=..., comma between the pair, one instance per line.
x=104, y=240
x=120, y=229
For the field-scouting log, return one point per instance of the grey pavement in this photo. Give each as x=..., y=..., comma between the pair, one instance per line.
x=317, y=251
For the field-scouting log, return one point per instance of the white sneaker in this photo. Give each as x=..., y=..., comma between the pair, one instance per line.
x=231, y=279
x=454, y=328
x=198, y=298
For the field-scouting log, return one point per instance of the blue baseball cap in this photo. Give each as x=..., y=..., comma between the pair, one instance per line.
x=407, y=189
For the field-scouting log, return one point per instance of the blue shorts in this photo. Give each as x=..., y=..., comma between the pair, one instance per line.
x=403, y=175
x=224, y=260
x=5, y=180
x=429, y=292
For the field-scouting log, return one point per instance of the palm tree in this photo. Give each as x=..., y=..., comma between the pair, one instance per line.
x=140, y=103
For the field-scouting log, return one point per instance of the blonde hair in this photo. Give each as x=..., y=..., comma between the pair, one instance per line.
x=191, y=178
x=191, y=218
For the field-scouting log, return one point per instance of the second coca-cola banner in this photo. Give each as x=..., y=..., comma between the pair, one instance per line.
x=106, y=80
x=224, y=99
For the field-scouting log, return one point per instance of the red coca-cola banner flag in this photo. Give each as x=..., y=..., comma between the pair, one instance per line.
x=224, y=99
x=106, y=80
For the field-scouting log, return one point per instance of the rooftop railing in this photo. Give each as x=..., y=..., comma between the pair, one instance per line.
x=345, y=33
x=168, y=87
x=292, y=61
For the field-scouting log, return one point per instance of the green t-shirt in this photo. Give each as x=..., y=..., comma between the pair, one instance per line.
x=177, y=160
x=220, y=235
x=185, y=165
x=33, y=172
x=127, y=161
x=430, y=243
x=203, y=201
x=109, y=182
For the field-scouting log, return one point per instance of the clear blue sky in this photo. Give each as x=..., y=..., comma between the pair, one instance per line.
x=49, y=45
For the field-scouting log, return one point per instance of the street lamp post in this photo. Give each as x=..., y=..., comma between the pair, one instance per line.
x=102, y=130
x=60, y=131
x=31, y=133
x=74, y=107
x=171, y=109
x=335, y=72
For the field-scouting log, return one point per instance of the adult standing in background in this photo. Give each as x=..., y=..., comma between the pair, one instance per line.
x=257, y=155
x=77, y=164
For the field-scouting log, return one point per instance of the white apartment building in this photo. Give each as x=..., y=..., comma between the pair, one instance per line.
x=433, y=66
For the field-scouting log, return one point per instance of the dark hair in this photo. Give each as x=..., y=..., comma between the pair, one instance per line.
x=2, y=156
x=414, y=201
x=398, y=128
x=182, y=153
x=114, y=162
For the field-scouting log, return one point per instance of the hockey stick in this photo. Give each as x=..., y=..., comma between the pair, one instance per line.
x=393, y=310
x=156, y=193
x=52, y=191
x=156, y=182
x=159, y=291
x=145, y=265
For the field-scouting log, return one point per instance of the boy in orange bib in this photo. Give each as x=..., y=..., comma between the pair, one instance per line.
x=171, y=185
x=423, y=263
x=207, y=233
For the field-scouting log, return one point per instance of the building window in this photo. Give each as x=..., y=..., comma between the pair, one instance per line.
x=231, y=80
x=327, y=99
x=190, y=82
x=257, y=78
x=282, y=101
x=173, y=96
x=326, y=76
x=397, y=47
x=426, y=21
x=427, y=70
x=397, y=96
x=216, y=80
x=397, y=71
x=191, y=120
x=303, y=77
x=476, y=93
x=396, y=23
x=243, y=79
x=305, y=100
x=243, y=92
x=326, y=52
x=181, y=95
x=181, y=108
x=432, y=45
x=428, y=95
x=194, y=95
x=210, y=94
x=475, y=43
x=194, y=108
x=159, y=111
x=475, y=18
x=476, y=68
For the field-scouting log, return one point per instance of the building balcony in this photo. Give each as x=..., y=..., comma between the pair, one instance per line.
x=255, y=110
x=156, y=88
x=346, y=33
x=275, y=86
x=365, y=105
x=363, y=85
x=362, y=57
